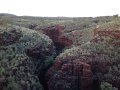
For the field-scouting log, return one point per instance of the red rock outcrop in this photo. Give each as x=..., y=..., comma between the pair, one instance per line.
x=70, y=75
x=113, y=33
x=85, y=72
x=56, y=33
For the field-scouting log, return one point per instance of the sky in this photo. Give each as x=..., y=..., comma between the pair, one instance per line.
x=67, y=8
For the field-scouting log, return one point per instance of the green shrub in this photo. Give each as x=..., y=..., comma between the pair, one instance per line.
x=107, y=86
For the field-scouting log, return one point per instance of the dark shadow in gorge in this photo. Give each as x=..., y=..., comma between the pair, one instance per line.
x=42, y=69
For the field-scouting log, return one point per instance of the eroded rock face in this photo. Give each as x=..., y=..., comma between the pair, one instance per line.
x=89, y=70
x=56, y=33
x=70, y=75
